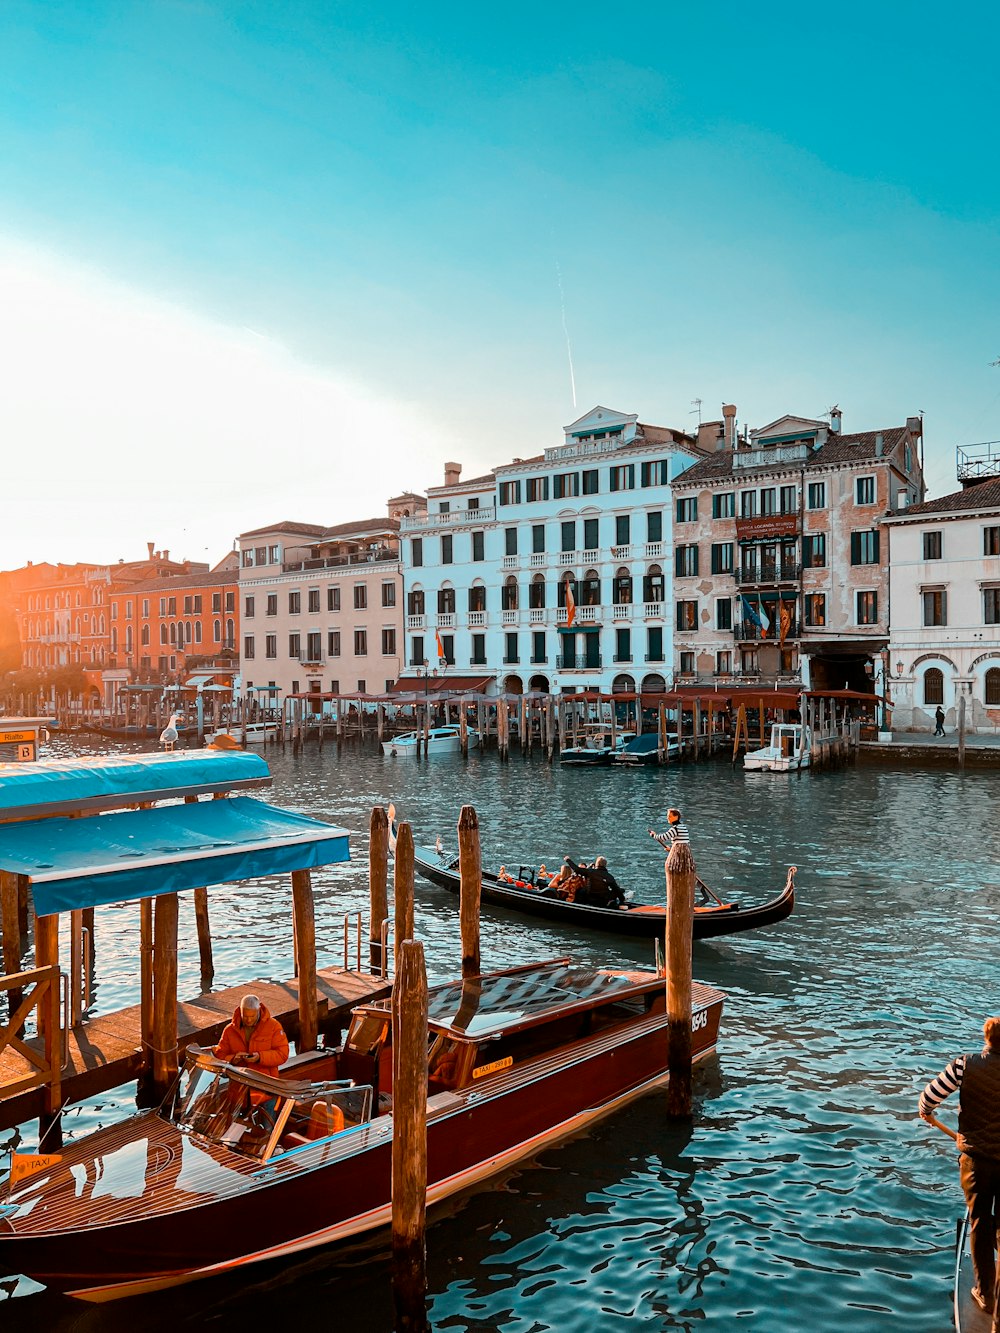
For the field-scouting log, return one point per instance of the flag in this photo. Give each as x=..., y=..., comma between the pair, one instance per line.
x=785, y=621
x=440, y=646
x=765, y=620
x=23, y=1165
x=751, y=611
x=570, y=604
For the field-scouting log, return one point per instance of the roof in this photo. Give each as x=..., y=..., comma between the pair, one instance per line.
x=111, y=858
x=206, y=578
x=838, y=449
x=297, y=529
x=381, y=524
x=983, y=495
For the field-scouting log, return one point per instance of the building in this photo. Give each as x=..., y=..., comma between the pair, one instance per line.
x=778, y=563
x=550, y=573
x=322, y=607
x=944, y=573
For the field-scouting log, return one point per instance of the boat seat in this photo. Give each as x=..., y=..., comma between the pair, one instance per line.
x=293, y=1140
x=324, y=1119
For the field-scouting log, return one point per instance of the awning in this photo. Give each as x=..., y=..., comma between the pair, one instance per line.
x=113, y=858
x=199, y=680
x=447, y=685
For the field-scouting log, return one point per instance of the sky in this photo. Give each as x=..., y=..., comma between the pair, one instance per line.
x=266, y=260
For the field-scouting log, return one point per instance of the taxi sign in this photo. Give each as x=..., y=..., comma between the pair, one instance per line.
x=482, y=1070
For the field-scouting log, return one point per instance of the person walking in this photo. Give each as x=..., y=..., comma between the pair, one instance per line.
x=976, y=1079
x=939, y=721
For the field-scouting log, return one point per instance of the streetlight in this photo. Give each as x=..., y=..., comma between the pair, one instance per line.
x=880, y=675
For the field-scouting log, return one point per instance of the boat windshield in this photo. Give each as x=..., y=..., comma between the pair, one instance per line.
x=224, y=1107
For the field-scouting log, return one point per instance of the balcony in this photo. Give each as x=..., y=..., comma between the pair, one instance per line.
x=536, y=615
x=654, y=610
x=538, y=559
x=416, y=622
x=446, y=620
x=378, y=555
x=581, y=662
x=539, y=659
x=477, y=619
x=746, y=631
x=623, y=657
x=311, y=660
x=511, y=561
x=453, y=518
x=768, y=574
x=585, y=615
x=653, y=551
x=511, y=659
x=621, y=611
x=655, y=657
x=621, y=553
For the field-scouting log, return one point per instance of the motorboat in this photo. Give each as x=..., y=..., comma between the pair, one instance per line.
x=644, y=749
x=255, y=733
x=599, y=748
x=438, y=740
x=791, y=744
x=238, y=1166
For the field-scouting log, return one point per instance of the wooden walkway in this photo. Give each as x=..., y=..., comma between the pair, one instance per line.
x=106, y=1052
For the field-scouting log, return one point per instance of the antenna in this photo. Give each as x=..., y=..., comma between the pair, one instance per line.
x=696, y=407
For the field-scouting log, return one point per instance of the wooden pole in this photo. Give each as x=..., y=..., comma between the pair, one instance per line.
x=409, y=1140
x=75, y=1016
x=961, y=731
x=164, y=992
x=146, y=978
x=203, y=926
x=403, y=888
x=463, y=731
x=696, y=727
x=47, y=955
x=12, y=942
x=378, y=881
x=681, y=876
x=305, y=948
x=471, y=879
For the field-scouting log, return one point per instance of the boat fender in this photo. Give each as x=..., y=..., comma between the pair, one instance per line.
x=520, y=884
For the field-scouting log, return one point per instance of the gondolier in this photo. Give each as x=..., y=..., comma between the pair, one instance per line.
x=976, y=1078
x=676, y=830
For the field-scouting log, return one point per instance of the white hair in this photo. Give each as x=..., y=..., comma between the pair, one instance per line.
x=251, y=1002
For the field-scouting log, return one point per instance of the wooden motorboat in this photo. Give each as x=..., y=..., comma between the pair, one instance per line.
x=969, y=1317
x=521, y=893
x=238, y=1167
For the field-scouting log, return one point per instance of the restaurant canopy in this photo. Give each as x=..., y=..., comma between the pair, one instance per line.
x=446, y=685
x=110, y=858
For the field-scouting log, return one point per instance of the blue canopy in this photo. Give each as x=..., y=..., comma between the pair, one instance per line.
x=74, y=783
x=113, y=858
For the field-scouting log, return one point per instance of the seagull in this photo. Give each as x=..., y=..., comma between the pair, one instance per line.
x=168, y=736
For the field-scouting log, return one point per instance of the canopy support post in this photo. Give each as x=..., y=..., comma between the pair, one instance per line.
x=165, y=912
x=305, y=949
x=471, y=885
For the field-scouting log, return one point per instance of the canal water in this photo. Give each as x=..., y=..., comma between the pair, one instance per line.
x=805, y=1194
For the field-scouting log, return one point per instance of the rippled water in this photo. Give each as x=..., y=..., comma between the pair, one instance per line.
x=806, y=1193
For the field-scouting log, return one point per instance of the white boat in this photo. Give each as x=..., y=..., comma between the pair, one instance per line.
x=597, y=749
x=257, y=733
x=791, y=743
x=438, y=740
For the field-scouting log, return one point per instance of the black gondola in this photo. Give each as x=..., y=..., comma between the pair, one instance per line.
x=523, y=895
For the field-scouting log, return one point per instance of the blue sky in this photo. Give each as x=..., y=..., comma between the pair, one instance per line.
x=265, y=260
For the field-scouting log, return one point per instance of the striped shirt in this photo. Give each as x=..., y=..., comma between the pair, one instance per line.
x=948, y=1081
x=673, y=833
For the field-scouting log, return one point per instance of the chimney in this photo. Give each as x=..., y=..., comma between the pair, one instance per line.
x=452, y=472
x=835, y=420
x=710, y=436
x=166, y=555
x=879, y=445
x=729, y=417
x=149, y=550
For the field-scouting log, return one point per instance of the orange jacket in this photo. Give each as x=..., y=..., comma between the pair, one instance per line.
x=267, y=1039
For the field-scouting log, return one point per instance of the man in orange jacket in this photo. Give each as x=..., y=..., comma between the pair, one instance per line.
x=253, y=1038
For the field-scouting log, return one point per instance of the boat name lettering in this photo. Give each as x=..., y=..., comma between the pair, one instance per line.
x=699, y=1020
x=482, y=1070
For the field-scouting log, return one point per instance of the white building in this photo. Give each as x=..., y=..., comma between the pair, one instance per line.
x=944, y=599
x=486, y=570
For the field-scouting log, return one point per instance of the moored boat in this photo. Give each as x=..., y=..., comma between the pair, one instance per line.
x=790, y=749
x=437, y=740
x=238, y=1167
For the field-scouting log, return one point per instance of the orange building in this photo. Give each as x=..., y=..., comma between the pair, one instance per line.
x=162, y=627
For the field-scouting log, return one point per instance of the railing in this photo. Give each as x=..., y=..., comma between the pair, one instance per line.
x=785, y=572
x=460, y=517
x=416, y=622
x=372, y=557
x=655, y=657
x=539, y=659
x=446, y=620
x=623, y=657
x=536, y=615
x=510, y=659
x=621, y=553
x=653, y=551
x=654, y=610
x=747, y=631
x=348, y=918
x=509, y=617
x=37, y=989
x=511, y=561
x=621, y=611
x=477, y=619
x=538, y=559
x=311, y=660
x=588, y=615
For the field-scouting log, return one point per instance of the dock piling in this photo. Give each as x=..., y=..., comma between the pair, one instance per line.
x=164, y=1026
x=681, y=876
x=409, y=1140
x=471, y=885
x=403, y=889
x=378, y=882
x=304, y=917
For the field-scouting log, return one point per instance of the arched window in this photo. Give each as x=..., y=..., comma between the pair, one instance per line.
x=591, y=588
x=446, y=601
x=415, y=602
x=561, y=590
x=197, y=631
x=623, y=685
x=477, y=597
x=173, y=634
x=508, y=594
x=621, y=588
x=216, y=630
x=144, y=637
x=536, y=592
x=653, y=684
x=933, y=686
x=128, y=638
x=163, y=631
x=230, y=634
x=652, y=585
x=993, y=687
x=187, y=631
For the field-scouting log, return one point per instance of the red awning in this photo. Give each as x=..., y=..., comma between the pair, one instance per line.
x=441, y=685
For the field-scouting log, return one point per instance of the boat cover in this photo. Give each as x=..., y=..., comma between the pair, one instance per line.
x=132, y=854
x=67, y=782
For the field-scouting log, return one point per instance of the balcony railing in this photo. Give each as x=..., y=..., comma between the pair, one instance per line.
x=585, y=615
x=623, y=657
x=621, y=611
x=655, y=657
x=511, y=659
x=747, y=631
x=509, y=617
x=416, y=622
x=653, y=551
x=446, y=620
x=621, y=553
x=536, y=615
x=511, y=561
x=462, y=517
x=477, y=619
x=654, y=610
x=580, y=662
x=539, y=659
x=787, y=571
x=374, y=556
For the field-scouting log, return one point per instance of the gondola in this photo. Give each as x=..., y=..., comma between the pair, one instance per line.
x=711, y=918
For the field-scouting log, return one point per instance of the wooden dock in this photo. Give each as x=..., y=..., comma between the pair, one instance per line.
x=106, y=1052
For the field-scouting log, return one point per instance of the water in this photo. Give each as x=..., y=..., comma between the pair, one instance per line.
x=806, y=1194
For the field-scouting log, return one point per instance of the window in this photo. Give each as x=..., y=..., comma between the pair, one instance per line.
x=686, y=561
x=145, y=605
x=247, y=559
x=388, y=594
x=294, y=603
x=477, y=597
x=814, y=551
x=446, y=601
x=591, y=540
x=568, y=536
x=991, y=606
x=172, y=605
x=260, y=555
x=654, y=643
x=447, y=549
x=230, y=602
x=815, y=608
x=508, y=594
x=333, y=642
x=864, y=490
x=724, y=505
x=933, y=686
x=417, y=650
x=623, y=477
x=591, y=588
x=216, y=603
x=362, y=686
x=294, y=643
x=444, y=507
x=864, y=548
x=389, y=643
x=510, y=492
x=867, y=608
x=216, y=631
x=590, y=482
x=724, y=662
x=510, y=649
x=314, y=646
x=789, y=502
x=654, y=525
x=473, y=502
x=538, y=646
x=479, y=546
x=271, y=645
x=991, y=541
x=360, y=643
x=510, y=541
x=748, y=503
x=932, y=545
x=312, y=597
x=722, y=557
x=935, y=606
x=687, y=616
x=652, y=585
x=656, y=473
x=816, y=495
x=992, y=688
x=538, y=538
x=272, y=604
x=273, y=555
x=748, y=661
x=623, y=645
x=768, y=500
x=145, y=634
x=724, y=613
x=478, y=650
x=687, y=509
x=686, y=663
x=565, y=485
x=360, y=597
x=621, y=588
x=537, y=488
x=416, y=552
x=187, y=608
x=415, y=602
x=623, y=530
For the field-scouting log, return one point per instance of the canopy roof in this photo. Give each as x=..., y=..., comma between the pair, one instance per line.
x=74, y=863
x=446, y=685
x=57, y=786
